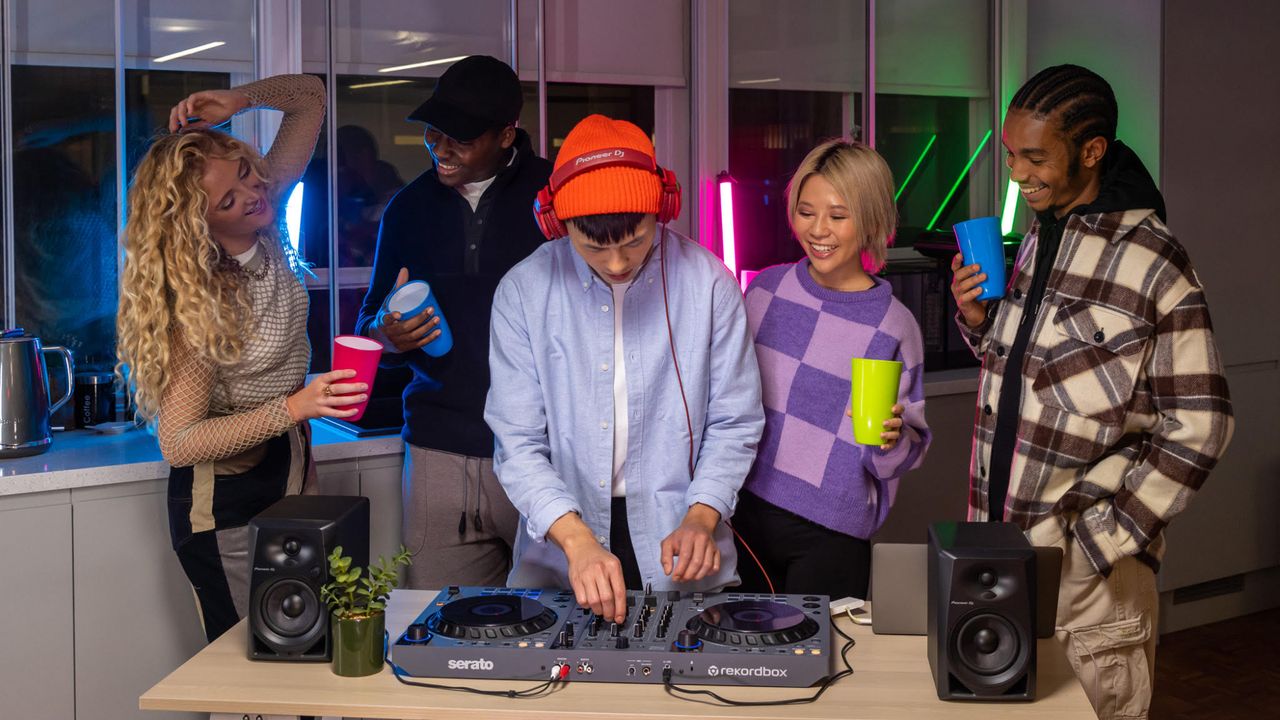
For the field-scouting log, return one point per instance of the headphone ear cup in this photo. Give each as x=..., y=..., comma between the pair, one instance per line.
x=544, y=213
x=669, y=206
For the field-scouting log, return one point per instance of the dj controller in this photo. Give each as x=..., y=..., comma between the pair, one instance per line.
x=692, y=638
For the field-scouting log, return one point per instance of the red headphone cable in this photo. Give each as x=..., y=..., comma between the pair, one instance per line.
x=666, y=308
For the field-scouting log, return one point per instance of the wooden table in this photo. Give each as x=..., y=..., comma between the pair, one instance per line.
x=891, y=679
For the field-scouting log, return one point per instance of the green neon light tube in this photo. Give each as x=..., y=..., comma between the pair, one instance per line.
x=1010, y=208
x=956, y=186
x=923, y=153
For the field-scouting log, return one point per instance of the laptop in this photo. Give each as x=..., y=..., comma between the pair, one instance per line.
x=899, y=589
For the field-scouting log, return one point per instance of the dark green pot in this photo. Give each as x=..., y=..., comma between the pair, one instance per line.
x=357, y=644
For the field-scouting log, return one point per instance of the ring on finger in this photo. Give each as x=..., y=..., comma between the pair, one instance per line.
x=328, y=391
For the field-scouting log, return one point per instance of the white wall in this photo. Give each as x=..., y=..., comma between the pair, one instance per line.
x=1220, y=99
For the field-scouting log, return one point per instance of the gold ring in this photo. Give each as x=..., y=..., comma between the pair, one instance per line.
x=328, y=391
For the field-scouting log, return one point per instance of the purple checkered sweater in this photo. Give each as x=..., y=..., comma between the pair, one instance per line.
x=805, y=336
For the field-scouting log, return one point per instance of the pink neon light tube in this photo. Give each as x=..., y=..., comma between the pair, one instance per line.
x=726, y=224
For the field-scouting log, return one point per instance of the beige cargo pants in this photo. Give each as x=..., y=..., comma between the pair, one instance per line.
x=1107, y=627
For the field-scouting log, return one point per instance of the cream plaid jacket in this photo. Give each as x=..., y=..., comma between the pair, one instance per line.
x=1124, y=409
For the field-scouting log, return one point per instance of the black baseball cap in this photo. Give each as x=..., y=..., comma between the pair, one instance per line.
x=476, y=94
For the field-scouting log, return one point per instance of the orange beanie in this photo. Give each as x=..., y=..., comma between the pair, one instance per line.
x=607, y=189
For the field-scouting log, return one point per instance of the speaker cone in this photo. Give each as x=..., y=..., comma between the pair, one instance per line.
x=986, y=644
x=290, y=608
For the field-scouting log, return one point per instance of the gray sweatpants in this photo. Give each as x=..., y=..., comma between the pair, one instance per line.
x=439, y=490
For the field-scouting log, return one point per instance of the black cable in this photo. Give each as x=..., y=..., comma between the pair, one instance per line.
x=678, y=692
x=540, y=690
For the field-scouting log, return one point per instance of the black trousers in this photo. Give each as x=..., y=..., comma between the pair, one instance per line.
x=800, y=556
x=209, y=530
x=620, y=544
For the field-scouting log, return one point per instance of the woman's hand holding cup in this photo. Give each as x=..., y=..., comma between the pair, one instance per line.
x=327, y=396
x=892, y=428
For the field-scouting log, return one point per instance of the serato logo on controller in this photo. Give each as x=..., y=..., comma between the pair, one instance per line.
x=480, y=664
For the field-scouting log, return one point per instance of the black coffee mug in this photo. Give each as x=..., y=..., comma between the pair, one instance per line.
x=95, y=400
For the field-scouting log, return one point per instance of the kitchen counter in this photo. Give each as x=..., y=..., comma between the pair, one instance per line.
x=84, y=458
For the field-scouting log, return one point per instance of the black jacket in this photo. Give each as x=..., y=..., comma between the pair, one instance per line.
x=431, y=230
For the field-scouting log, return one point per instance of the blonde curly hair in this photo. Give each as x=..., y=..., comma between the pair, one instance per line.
x=177, y=278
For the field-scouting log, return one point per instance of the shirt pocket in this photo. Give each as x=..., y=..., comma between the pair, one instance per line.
x=1093, y=358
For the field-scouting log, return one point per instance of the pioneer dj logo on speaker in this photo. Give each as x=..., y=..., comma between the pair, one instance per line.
x=715, y=671
x=480, y=664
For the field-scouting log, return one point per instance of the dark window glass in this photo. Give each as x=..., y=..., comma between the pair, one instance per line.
x=64, y=193
x=770, y=132
x=932, y=136
x=379, y=151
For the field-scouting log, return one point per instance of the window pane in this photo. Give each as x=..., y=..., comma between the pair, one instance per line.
x=796, y=76
x=149, y=95
x=933, y=127
x=64, y=192
x=64, y=176
x=568, y=103
x=933, y=111
x=387, y=58
x=770, y=133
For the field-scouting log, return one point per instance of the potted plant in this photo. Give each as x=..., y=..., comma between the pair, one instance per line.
x=357, y=604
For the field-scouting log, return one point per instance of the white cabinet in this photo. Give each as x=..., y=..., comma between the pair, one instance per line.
x=37, y=655
x=94, y=606
x=135, y=615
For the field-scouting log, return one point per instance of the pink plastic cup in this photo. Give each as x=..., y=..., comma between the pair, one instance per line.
x=353, y=352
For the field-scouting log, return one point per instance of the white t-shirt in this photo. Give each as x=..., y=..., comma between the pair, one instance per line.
x=620, y=425
x=244, y=257
x=473, y=191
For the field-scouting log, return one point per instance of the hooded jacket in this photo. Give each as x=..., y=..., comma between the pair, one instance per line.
x=430, y=229
x=1102, y=400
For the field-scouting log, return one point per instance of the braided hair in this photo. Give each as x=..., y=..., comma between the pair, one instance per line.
x=1080, y=99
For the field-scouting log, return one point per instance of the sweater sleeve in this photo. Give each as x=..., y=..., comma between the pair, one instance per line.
x=302, y=100
x=187, y=434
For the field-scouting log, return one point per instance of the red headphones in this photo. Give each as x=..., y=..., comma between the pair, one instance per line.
x=543, y=207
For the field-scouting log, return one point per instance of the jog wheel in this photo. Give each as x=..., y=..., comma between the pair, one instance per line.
x=510, y=615
x=746, y=623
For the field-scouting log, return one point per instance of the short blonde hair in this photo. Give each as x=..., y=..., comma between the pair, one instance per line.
x=864, y=182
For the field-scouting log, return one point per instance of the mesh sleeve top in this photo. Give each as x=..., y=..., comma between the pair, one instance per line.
x=210, y=412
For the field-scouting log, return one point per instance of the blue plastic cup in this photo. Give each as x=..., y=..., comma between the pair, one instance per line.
x=415, y=297
x=981, y=244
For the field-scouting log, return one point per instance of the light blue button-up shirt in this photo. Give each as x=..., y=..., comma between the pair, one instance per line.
x=550, y=403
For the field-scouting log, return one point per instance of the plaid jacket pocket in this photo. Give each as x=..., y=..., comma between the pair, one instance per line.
x=1093, y=360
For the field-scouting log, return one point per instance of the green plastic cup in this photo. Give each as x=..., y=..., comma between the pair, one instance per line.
x=872, y=396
